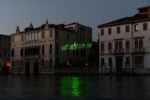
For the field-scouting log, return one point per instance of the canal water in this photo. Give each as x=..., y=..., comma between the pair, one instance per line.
x=74, y=87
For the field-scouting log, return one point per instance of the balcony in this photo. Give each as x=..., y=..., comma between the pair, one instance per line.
x=127, y=51
x=139, y=50
x=102, y=52
x=110, y=51
x=119, y=51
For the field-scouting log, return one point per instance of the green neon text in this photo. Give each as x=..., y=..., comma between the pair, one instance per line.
x=75, y=46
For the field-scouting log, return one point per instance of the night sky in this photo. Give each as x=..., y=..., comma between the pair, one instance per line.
x=87, y=12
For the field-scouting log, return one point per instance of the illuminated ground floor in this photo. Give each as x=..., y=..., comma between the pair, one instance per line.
x=125, y=63
x=40, y=66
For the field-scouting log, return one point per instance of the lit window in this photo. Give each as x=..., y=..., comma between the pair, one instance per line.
x=136, y=27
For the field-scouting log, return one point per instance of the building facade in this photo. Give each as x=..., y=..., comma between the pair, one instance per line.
x=4, y=49
x=48, y=47
x=124, y=44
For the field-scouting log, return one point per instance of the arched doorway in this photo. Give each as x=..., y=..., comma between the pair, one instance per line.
x=36, y=68
x=27, y=68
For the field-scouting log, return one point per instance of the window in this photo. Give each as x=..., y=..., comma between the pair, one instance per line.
x=136, y=43
x=145, y=26
x=116, y=45
x=102, y=47
x=139, y=61
x=127, y=28
x=50, y=48
x=118, y=29
x=21, y=52
x=77, y=52
x=102, y=62
x=42, y=62
x=127, y=62
x=140, y=43
x=136, y=27
x=109, y=31
x=127, y=45
x=57, y=49
x=110, y=62
x=43, y=35
x=109, y=46
x=43, y=49
x=102, y=32
x=120, y=44
x=50, y=61
x=56, y=34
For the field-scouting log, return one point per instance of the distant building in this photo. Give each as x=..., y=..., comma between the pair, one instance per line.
x=4, y=49
x=124, y=44
x=49, y=47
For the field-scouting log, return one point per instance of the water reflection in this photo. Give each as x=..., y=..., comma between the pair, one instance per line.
x=74, y=87
x=71, y=86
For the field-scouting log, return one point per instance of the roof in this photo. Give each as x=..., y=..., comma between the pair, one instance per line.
x=144, y=7
x=136, y=18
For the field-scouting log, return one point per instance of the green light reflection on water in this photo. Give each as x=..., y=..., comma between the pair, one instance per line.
x=71, y=86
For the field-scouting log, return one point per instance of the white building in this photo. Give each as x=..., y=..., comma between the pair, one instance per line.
x=124, y=44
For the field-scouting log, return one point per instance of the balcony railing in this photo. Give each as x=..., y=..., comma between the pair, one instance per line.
x=139, y=50
x=110, y=51
x=119, y=51
x=102, y=51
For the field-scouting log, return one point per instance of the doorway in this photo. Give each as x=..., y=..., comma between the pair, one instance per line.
x=119, y=60
x=27, y=68
x=36, y=68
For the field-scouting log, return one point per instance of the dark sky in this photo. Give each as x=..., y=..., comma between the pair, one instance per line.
x=87, y=12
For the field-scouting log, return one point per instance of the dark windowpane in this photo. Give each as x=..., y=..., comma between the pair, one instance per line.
x=145, y=26
x=43, y=49
x=118, y=29
x=109, y=31
x=102, y=31
x=127, y=28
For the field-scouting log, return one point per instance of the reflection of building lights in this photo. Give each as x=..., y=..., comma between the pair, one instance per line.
x=70, y=86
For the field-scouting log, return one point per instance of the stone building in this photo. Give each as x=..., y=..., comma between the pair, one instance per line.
x=124, y=44
x=48, y=47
